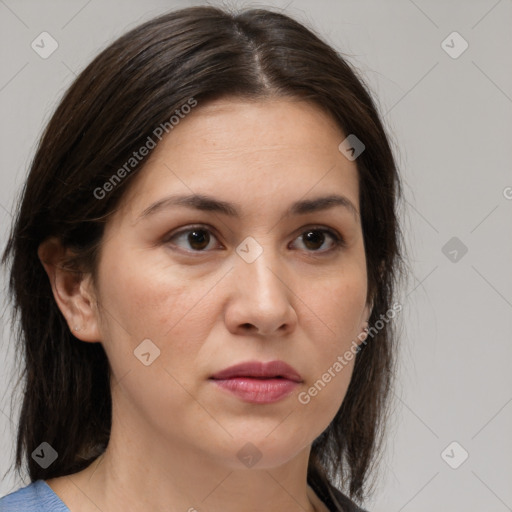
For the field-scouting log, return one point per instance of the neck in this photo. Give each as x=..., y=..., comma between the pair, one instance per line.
x=140, y=473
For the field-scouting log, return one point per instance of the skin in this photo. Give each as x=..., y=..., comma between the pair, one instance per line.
x=175, y=434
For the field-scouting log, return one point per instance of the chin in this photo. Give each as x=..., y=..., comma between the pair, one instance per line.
x=262, y=451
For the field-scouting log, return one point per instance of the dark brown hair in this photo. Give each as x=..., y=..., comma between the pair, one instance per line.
x=110, y=110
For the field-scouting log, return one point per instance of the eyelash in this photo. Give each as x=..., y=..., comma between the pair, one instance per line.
x=338, y=240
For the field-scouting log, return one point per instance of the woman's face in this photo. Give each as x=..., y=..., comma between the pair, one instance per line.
x=249, y=273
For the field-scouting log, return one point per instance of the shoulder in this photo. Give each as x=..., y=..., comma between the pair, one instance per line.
x=35, y=497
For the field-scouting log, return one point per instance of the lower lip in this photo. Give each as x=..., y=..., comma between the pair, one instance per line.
x=258, y=391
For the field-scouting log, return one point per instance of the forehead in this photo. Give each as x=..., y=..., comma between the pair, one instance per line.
x=251, y=152
x=236, y=122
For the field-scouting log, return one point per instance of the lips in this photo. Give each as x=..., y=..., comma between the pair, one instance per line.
x=259, y=370
x=257, y=382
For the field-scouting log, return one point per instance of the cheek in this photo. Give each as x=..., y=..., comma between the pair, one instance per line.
x=333, y=308
x=338, y=305
x=147, y=299
x=148, y=302
x=143, y=301
x=322, y=397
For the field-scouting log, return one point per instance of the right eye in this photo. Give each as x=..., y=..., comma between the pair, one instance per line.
x=198, y=239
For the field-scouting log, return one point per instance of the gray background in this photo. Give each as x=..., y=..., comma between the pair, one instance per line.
x=450, y=120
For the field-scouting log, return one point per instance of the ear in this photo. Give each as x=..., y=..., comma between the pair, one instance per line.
x=73, y=291
x=367, y=311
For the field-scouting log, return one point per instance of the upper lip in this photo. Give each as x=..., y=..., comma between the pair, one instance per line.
x=259, y=369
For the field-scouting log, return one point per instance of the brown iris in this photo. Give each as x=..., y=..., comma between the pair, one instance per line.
x=313, y=239
x=198, y=239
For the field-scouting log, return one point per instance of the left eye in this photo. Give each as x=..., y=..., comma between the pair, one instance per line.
x=314, y=239
x=201, y=239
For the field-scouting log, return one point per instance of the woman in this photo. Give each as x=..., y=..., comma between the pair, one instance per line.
x=203, y=266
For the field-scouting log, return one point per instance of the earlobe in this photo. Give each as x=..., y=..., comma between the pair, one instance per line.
x=363, y=335
x=368, y=311
x=72, y=290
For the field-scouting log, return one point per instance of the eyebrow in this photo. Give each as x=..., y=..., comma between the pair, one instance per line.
x=210, y=204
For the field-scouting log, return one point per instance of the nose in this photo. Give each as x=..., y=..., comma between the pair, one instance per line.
x=262, y=298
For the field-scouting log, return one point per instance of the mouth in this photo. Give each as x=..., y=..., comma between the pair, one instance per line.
x=257, y=382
